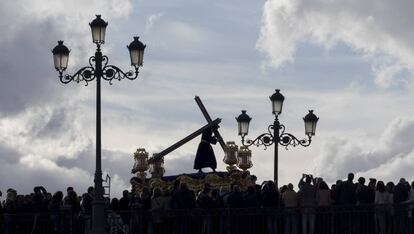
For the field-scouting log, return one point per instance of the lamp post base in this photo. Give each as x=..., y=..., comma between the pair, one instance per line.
x=98, y=217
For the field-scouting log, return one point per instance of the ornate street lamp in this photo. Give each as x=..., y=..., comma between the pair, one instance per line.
x=243, y=123
x=60, y=56
x=136, y=52
x=310, y=123
x=98, y=28
x=98, y=69
x=276, y=132
x=277, y=102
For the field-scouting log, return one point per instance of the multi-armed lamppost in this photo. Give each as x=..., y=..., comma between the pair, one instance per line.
x=98, y=69
x=276, y=133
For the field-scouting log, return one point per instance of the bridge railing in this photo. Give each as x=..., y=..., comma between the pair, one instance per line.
x=364, y=219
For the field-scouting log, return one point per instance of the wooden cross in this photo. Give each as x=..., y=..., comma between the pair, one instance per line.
x=183, y=141
x=208, y=118
x=210, y=123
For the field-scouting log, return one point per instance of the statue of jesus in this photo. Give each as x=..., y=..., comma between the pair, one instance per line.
x=205, y=155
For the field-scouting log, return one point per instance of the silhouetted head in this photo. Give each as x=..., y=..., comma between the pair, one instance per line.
x=20, y=199
x=69, y=189
x=114, y=204
x=308, y=179
x=269, y=187
x=402, y=181
x=91, y=190
x=323, y=185
x=11, y=195
x=207, y=133
x=290, y=186
x=36, y=190
x=283, y=189
x=72, y=195
x=271, y=184
x=390, y=187
x=372, y=182
x=361, y=180
x=350, y=176
x=318, y=180
x=58, y=196
x=125, y=193
x=380, y=186
x=253, y=178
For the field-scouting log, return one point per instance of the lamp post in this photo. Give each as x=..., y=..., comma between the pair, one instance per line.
x=98, y=69
x=276, y=132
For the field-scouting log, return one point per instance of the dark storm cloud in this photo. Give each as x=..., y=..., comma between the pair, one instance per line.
x=113, y=162
x=26, y=72
x=24, y=176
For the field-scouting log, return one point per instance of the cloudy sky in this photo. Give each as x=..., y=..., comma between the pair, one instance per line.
x=352, y=62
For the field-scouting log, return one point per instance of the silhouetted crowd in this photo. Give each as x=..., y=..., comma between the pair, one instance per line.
x=307, y=210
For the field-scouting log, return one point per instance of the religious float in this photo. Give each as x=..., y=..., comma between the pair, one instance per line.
x=237, y=159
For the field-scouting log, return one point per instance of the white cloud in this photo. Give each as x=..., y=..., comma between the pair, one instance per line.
x=387, y=157
x=31, y=29
x=370, y=28
x=41, y=122
x=151, y=21
x=47, y=130
x=50, y=147
x=50, y=132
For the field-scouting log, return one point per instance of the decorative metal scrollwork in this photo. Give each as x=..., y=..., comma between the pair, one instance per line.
x=287, y=139
x=105, y=60
x=265, y=139
x=89, y=73
x=111, y=72
x=284, y=139
x=86, y=74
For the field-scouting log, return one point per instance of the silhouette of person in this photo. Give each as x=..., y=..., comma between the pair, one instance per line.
x=205, y=155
